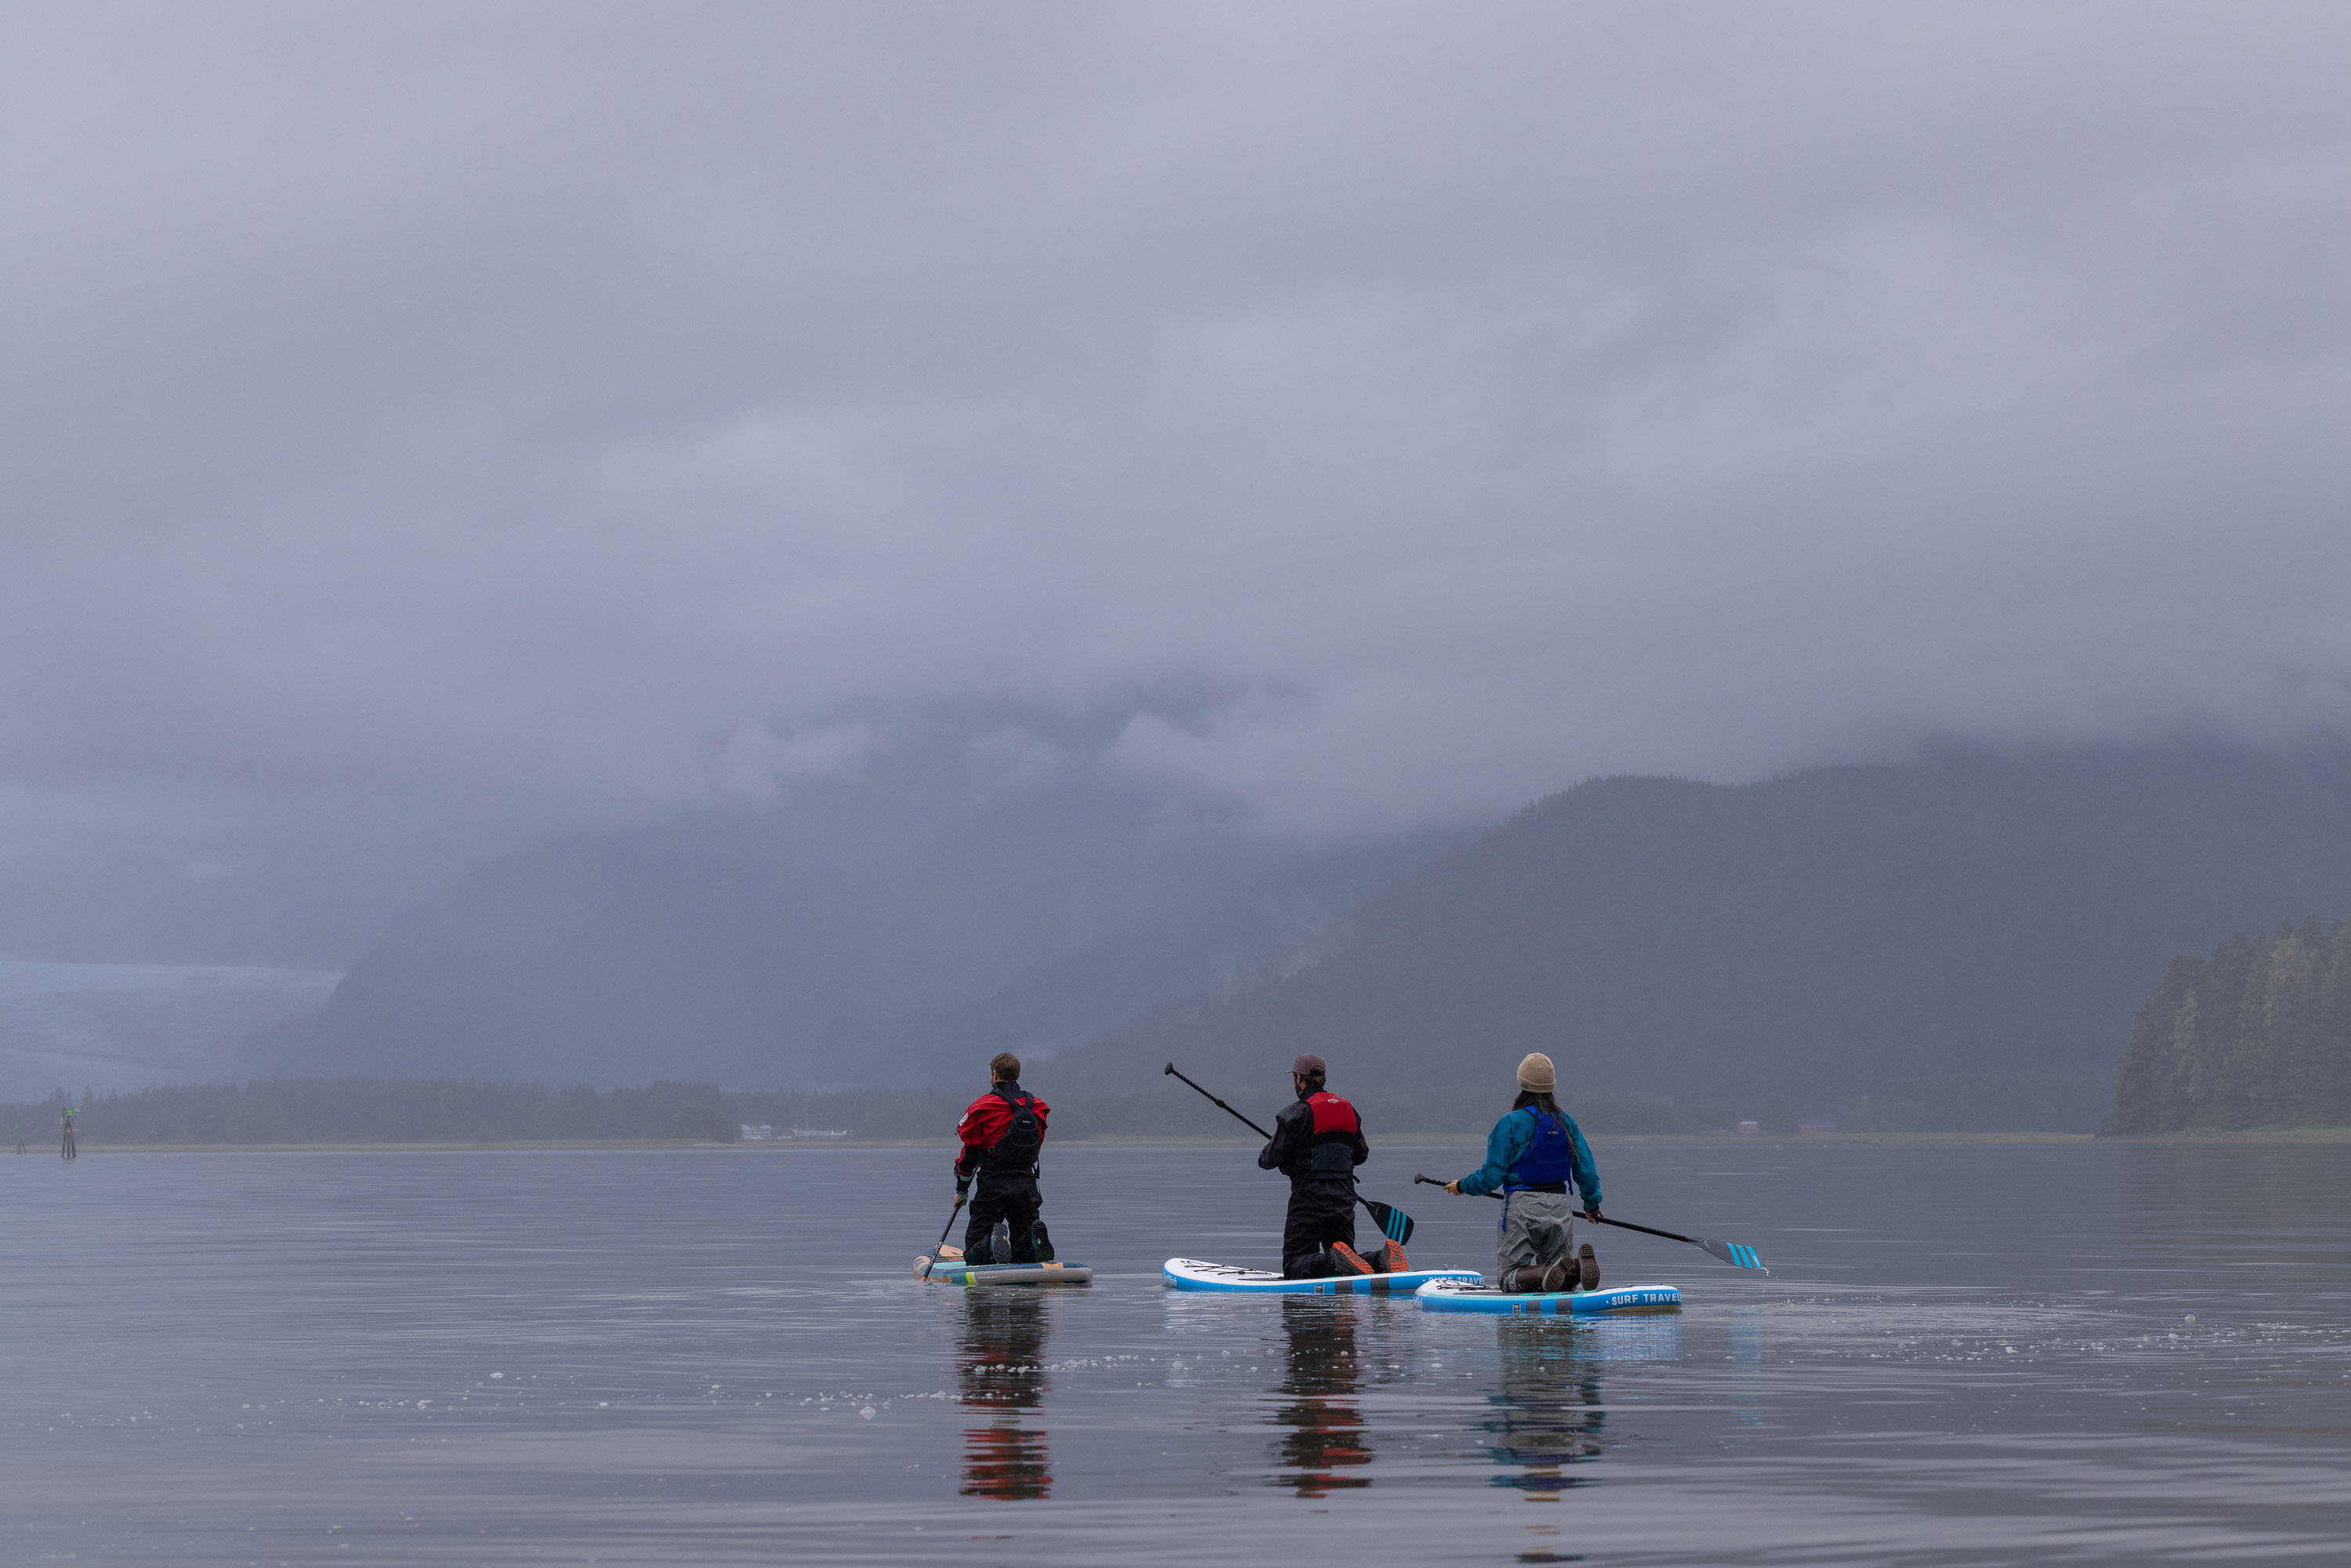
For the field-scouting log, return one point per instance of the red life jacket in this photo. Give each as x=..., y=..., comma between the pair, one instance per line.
x=1330, y=1147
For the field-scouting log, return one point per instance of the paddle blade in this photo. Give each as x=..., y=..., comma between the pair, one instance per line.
x=1394, y=1223
x=1737, y=1254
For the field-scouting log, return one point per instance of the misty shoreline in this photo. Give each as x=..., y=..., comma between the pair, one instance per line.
x=1629, y=1139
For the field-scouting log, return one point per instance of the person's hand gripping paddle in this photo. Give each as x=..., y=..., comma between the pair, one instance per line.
x=1394, y=1223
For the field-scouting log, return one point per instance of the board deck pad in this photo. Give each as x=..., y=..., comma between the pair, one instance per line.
x=1193, y=1274
x=956, y=1271
x=1460, y=1296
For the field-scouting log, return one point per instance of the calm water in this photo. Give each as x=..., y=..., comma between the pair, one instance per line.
x=2072, y=1353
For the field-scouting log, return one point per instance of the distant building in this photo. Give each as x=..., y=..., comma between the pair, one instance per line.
x=1751, y=1128
x=760, y=1133
x=1816, y=1126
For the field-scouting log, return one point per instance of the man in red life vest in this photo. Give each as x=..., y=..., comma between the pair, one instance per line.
x=1318, y=1141
x=1002, y=1133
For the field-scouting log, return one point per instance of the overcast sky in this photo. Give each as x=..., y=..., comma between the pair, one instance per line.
x=428, y=428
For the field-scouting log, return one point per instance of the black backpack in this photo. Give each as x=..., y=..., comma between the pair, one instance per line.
x=1018, y=1149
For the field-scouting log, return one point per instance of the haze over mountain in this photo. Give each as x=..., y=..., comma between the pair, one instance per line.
x=1959, y=943
x=911, y=907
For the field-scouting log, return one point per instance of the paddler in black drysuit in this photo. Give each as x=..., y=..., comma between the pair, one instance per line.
x=1002, y=1132
x=1318, y=1141
x=1535, y=1153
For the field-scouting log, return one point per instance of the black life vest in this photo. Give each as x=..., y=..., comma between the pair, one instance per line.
x=1016, y=1148
x=1330, y=1144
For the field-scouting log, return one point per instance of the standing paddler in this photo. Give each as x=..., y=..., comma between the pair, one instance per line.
x=1317, y=1143
x=1002, y=1133
x=1534, y=1154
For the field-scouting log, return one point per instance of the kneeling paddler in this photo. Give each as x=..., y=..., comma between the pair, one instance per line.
x=1318, y=1141
x=1534, y=1154
x=1003, y=1131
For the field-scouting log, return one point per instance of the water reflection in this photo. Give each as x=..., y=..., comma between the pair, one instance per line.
x=2190, y=1209
x=1548, y=1414
x=1325, y=1436
x=1001, y=1369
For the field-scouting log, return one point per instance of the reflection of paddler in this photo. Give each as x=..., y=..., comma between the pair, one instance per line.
x=1325, y=1430
x=1549, y=1413
x=1000, y=1368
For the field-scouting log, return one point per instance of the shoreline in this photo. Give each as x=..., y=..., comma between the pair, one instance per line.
x=1470, y=1141
x=2298, y=1136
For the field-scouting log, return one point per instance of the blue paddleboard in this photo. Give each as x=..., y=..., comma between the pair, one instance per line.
x=1191, y=1274
x=1477, y=1296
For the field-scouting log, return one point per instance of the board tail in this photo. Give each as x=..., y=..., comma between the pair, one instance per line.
x=1737, y=1254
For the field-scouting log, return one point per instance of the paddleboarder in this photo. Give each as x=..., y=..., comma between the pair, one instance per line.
x=1317, y=1143
x=1002, y=1133
x=1534, y=1154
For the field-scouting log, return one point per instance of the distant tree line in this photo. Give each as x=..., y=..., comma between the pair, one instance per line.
x=455, y=1110
x=2258, y=1034
x=387, y=1111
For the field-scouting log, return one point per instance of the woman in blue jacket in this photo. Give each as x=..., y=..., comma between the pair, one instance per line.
x=1535, y=1155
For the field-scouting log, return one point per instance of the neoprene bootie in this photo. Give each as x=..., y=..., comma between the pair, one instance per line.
x=1589, y=1267
x=1536, y=1280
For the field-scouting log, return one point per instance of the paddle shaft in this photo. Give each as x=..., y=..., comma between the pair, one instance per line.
x=1220, y=1106
x=1378, y=1211
x=1596, y=1219
x=942, y=1236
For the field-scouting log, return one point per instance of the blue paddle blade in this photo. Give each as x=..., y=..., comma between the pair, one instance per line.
x=1394, y=1223
x=1737, y=1254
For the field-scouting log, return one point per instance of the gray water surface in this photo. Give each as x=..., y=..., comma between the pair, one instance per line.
x=1989, y=1354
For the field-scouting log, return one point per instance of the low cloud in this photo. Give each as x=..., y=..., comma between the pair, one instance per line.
x=434, y=429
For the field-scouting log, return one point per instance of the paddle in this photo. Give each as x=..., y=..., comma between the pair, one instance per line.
x=931, y=1261
x=1394, y=1223
x=1737, y=1254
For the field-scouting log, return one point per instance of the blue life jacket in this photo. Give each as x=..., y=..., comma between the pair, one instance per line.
x=1549, y=1158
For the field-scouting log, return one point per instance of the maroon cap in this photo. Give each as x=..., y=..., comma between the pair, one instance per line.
x=1306, y=1065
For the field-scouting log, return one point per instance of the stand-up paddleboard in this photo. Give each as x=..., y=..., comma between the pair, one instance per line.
x=1477, y=1296
x=1191, y=1274
x=956, y=1271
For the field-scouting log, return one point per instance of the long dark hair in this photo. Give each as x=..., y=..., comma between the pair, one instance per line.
x=1540, y=1099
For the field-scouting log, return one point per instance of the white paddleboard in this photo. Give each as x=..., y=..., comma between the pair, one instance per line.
x=1477, y=1296
x=1192, y=1274
x=956, y=1271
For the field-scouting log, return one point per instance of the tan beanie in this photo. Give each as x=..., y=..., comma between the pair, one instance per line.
x=1535, y=1073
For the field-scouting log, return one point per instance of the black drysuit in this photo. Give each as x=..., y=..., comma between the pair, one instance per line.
x=1321, y=1202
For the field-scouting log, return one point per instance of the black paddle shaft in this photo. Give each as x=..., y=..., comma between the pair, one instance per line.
x=1394, y=1223
x=1596, y=1219
x=1220, y=1106
x=943, y=1235
x=1728, y=1251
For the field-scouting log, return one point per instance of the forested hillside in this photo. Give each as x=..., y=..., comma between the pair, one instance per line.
x=2256, y=1035
x=1959, y=943
x=897, y=923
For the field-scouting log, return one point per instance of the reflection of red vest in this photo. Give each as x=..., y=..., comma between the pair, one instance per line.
x=1331, y=1148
